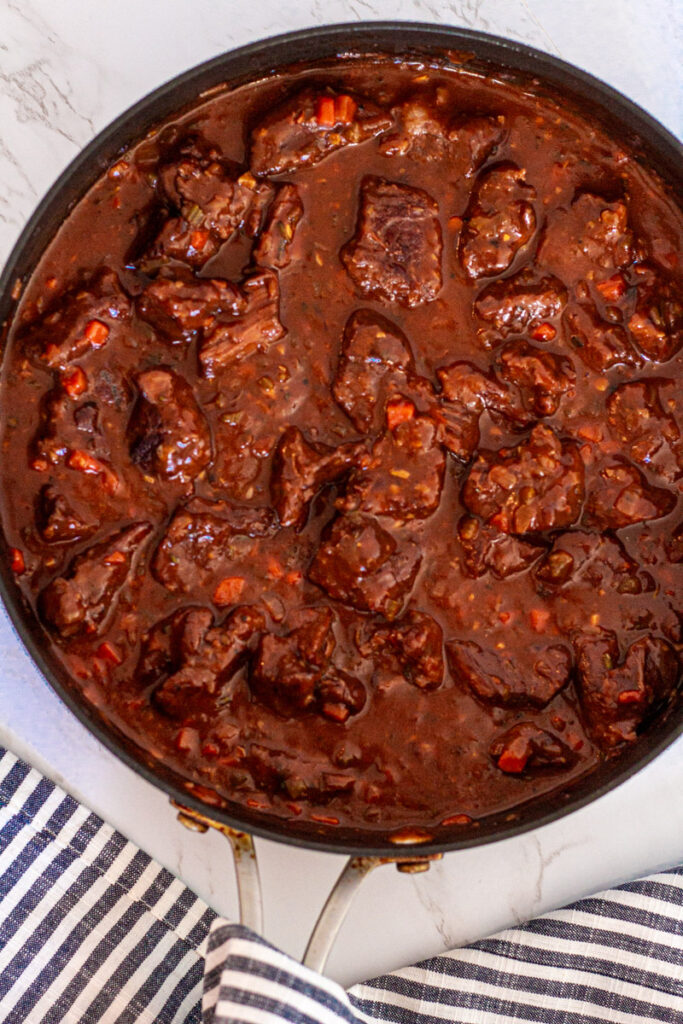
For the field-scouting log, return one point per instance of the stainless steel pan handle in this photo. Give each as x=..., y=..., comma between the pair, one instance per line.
x=336, y=907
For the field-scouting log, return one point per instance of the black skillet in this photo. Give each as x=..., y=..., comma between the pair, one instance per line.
x=507, y=60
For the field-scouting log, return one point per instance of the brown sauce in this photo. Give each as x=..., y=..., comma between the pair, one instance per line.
x=342, y=450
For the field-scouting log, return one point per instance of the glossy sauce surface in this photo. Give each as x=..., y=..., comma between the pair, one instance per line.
x=342, y=457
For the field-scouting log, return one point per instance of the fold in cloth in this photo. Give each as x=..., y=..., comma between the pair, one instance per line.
x=93, y=930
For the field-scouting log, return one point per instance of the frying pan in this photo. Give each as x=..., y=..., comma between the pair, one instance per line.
x=507, y=61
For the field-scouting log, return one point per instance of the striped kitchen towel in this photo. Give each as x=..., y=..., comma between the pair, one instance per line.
x=616, y=958
x=93, y=930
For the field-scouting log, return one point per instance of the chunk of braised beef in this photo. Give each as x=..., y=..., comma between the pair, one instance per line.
x=198, y=540
x=528, y=678
x=308, y=126
x=227, y=200
x=340, y=695
x=480, y=136
x=527, y=748
x=484, y=548
x=410, y=649
x=402, y=474
x=298, y=778
x=80, y=600
x=80, y=321
x=58, y=522
x=375, y=362
x=592, y=236
x=538, y=485
x=168, y=433
x=274, y=247
x=499, y=221
x=208, y=657
x=213, y=201
x=51, y=441
x=599, y=344
x=301, y=469
x=287, y=669
x=111, y=387
x=178, y=240
x=463, y=387
x=162, y=646
x=460, y=429
x=465, y=392
x=240, y=449
x=395, y=255
x=542, y=377
x=183, y=305
x=64, y=427
x=521, y=302
x=638, y=419
x=585, y=559
x=256, y=328
x=294, y=673
x=656, y=324
x=619, y=694
x=425, y=134
x=87, y=418
x=620, y=496
x=360, y=564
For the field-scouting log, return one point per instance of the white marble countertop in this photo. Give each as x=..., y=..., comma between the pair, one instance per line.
x=65, y=71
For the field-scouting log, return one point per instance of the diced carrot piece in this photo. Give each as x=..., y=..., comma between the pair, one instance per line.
x=538, y=618
x=255, y=803
x=210, y=750
x=108, y=652
x=344, y=109
x=455, y=223
x=294, y=808
x=325, y=819
x=75, y=382
x=96, y=332
x=613, y=288
x=574, y=741
x=501, y=521
x=630, y=697
x=511, y=762
x=543, y=332
x=39, y=465
x=293, y=577
x=51, y=352
x=83, y=461
x=337, y=712
x=118, y=170
x=505, y=617
x=17, y=562
x=400, y=410
x=185, y=739
x=228, y=590
x=457, y=819
x=115, y=558
x=275, y=570
x=199, y=238
x=324, y=112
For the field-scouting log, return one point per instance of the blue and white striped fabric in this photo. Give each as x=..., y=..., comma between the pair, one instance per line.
x=616, y=958
x=92, y=930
